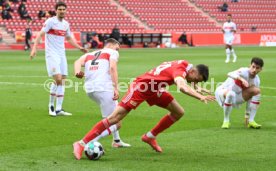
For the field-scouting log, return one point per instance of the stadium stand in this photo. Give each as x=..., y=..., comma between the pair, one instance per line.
x=169, y=15
x=246, y=13
x=83, y=15
x=160, y=15
x=147, y=21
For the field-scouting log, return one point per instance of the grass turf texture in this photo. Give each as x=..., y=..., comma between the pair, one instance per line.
x=32, y=140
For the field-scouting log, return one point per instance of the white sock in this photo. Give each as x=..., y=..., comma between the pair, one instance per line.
x=60, y=97
x=234, y=55
x=227, y=108
x=150, y=135
x=107, y=132
x=228, y=53
x=53, y=89
x=116, y=135
x=254, y=104
x=82, y=143
x=247, y=109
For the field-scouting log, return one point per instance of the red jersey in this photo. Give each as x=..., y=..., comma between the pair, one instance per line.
x=166, y=72
x=150, y=86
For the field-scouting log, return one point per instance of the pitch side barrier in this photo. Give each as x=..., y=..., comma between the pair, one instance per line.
x=241, y=38
x=140, y=40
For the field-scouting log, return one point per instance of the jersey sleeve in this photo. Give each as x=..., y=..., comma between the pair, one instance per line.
x=47, y=25
x=180, y=70
x=234, y=26
x=114, y=56
x=258, y=81
x=68, y=31
x=237, y=73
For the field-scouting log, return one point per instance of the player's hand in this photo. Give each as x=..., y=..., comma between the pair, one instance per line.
x=83, y=50
x=208, y=92
x=116, y=94
x=207, y=98
x=244, y=82
x=80, y=74
x=33, y=53
x=203, y=90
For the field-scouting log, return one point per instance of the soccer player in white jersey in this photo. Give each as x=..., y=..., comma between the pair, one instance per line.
x=56, y=30
x=242, y=85
x=229, y=29
x=101, y=83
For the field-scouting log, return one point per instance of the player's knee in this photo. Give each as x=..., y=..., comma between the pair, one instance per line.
x=256, y=91
x=178, y=114
x=115, y=118
x=230, y=95
x=181, y=112
x=58, y=81
x=112, y=119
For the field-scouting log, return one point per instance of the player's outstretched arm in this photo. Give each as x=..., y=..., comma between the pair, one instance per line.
x=202, y=90
x=74, y=43
x=77, y=66
x=37, y=40
x=186, y=89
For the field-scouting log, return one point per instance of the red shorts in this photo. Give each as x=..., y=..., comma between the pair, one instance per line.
x=136, y=95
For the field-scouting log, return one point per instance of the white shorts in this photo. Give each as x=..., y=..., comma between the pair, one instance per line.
x=105, y=101
x=229, y=40
x=219, y=94
x=56, y=65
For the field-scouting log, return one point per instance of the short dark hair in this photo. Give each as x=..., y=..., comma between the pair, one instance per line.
x=257, y=61
x=230, y=15
x=60, y=3
x=112, y=41
x=203, y=71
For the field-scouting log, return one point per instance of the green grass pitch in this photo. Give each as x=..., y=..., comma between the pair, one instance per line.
x=32, y=140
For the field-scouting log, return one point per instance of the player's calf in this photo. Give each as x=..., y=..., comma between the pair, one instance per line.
x=253, y=93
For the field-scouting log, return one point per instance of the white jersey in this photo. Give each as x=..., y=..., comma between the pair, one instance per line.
x=227, y=27
x=236, y=85
x=56, y=31
x=97, y=70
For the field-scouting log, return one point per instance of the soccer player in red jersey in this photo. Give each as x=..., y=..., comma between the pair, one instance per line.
x=150, y=87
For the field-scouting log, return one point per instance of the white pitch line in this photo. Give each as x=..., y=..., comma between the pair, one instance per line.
x=40, y=76
x=38, y=84
x=122, y=78
x=23, y=76
x=21, y=83
x=272, y=88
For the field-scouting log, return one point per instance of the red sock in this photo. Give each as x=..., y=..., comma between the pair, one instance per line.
x=163, y=124
x=96, y=130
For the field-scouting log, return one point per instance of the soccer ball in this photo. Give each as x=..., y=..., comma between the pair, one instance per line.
x=94, y=150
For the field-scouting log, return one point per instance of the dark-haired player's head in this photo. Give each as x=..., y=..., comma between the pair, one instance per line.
x=256, y=66
x=60, y=9
x=229, y=18
x=112, y=44
x=198, y=74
